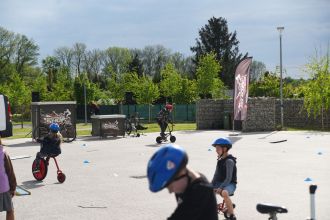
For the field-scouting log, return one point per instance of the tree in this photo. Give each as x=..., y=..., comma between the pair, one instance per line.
x=116, y=87
x=185, y=66
x=136, y=65
x=18, y=94
x=26, y=53
x=50, y=66
x=317, y=90
x=80, y=82
x=187, y=93
x=268, y=85
x=65, y=56
x=215, y=37
x=170, y=81
x=93, y=64
x=117, y=60
x=257, y=70
x=8, y=42
x=147, y=91
x=154, y=59
x=208, y=82
x=78, y=55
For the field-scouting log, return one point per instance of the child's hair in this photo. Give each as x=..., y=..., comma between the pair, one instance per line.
x=55, y=135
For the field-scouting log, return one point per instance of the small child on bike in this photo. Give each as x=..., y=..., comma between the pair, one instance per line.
x=194, y=195
x=7, y=184
x=225, y=177
x=50, y=144
x=163, y=118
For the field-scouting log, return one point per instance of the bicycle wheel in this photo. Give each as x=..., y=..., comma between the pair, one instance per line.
x=41, y=173
x=68, y=133
x=128, y=127
x=39, y=133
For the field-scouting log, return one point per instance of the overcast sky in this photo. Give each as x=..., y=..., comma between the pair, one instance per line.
x=174, y=24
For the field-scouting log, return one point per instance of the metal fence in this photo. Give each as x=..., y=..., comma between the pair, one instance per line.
x=181, y=112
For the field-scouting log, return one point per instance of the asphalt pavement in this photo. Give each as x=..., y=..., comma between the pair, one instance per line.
x=105, y=178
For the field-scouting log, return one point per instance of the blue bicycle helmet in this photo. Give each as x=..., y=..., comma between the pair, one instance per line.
x=223, y=142
x=164, y=165
x=54, y=127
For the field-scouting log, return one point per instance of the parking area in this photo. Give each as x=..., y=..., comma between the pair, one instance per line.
x=105, y=178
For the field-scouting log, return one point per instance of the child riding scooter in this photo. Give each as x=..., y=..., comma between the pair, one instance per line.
x=163, y=120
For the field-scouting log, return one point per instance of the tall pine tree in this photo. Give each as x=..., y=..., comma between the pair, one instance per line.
x=215, y=37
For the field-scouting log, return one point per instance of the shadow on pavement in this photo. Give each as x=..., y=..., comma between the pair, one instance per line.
x=25, y=144
x=98, y=138
x=32, y=184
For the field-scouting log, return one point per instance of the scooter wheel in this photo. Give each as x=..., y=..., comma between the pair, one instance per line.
x=159, y=139
x=61, y=177
x=138, y=135
x=172, y=139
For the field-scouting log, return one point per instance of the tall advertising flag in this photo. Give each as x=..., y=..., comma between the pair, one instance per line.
x=242, y=89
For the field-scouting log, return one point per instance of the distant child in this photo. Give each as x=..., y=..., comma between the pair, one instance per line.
x=7, y=184
x=194, y=194
x=50, y=144
x=163, y=118
x=225, y=176
x=95, y=109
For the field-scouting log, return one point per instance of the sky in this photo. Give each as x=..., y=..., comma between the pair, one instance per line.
x=101, y=24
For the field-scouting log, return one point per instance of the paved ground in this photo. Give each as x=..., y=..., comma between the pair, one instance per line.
x=112, y=184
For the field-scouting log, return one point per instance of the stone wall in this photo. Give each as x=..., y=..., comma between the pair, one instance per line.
x=261, y=115
x=264, y=114
x=294, y=115
x=210, y=113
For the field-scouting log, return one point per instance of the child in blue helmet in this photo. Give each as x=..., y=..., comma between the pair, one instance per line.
x=50, y=144
x=194, y=195
x=225, y=177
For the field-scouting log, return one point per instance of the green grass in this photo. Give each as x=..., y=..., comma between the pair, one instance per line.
x=85, y=129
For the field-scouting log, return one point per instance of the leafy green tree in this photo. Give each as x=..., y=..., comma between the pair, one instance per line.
x=170, y=83
x=268, y=85
x=26, y=53
x=130, y=82
x=8, y=42
x=147, y=91
x=317, y=90
x=18, y=94
x=187, y=93
x=208, y=82
x=117, y=60
x=116, y=87
x=80, y=82
x=62, y=89
x=215, y=37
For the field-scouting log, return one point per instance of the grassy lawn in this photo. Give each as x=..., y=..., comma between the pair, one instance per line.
x=85, y=129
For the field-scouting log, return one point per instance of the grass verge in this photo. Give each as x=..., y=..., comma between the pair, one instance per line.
x=86, y=129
